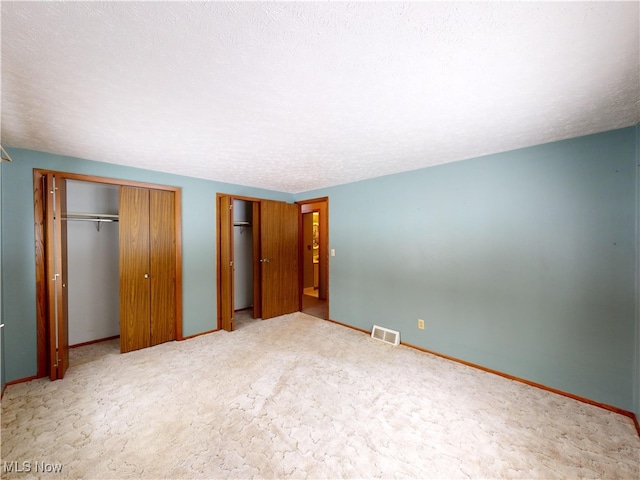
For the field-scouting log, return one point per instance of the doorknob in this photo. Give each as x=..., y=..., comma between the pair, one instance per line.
x=264, y=260
x=146, y=275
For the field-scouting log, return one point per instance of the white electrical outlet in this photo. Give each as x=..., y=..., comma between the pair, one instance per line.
x=421, y=324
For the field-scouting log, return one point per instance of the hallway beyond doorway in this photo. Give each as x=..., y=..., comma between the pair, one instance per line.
x=312, y=305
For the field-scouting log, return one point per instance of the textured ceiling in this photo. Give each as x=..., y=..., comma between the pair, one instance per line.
x=298, y=96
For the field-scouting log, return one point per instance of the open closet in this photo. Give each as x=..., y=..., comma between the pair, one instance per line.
x=274, y=257
x=243, y=254
x=92, y=257
x=108, y=263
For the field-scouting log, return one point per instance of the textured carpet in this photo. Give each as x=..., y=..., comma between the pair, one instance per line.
x=298, y=397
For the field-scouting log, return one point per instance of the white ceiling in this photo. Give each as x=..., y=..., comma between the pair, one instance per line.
x=298, y=96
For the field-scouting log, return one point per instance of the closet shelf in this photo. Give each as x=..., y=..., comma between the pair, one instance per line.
x=241, y=224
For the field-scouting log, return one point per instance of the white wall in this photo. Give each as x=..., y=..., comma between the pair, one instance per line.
x=243, y=255
x=93, y=277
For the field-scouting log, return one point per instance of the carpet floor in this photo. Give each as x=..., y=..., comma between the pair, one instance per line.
x=298, y=397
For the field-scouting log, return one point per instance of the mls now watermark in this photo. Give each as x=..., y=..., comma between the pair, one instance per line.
x=31, y=467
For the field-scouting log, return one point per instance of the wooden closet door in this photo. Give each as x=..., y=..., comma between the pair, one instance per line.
x=162, y=262
x=226, y=309
x=257, y=264
x=279, y=245
x=56, y=272
x=63, y=291
x=135, y=284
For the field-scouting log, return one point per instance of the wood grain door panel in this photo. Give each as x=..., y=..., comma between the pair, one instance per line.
x=257, y=264
x=279, y=245
x=162, y=266
x=56, y=274
x=226, y=262
x=62, y=290
x=135, y=285
x=49, y=221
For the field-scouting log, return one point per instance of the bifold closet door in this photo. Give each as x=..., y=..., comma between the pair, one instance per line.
x=55, y=210
x=147, y=268
x=225, y=269
x=162, y=266
x=135, y=285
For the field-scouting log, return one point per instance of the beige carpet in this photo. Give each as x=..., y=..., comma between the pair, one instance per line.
x=298, y=397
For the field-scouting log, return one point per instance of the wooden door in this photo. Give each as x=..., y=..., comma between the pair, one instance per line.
x=257, y=264
x=279, y=247
x=63, y=291
x=135, y=285
x=162, y=266
x=225, y=269
x=56, y=272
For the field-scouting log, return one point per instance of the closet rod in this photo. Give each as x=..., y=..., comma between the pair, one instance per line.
x=98, y=218
x=107, y=220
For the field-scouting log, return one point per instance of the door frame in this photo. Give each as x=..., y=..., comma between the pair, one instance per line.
x=42, y=331
x=257, y=272
x=309, y=206
x=258, y=204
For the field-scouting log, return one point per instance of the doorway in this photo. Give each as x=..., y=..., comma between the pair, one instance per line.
x=245, y=306
x=273, y=227
x=314, y=257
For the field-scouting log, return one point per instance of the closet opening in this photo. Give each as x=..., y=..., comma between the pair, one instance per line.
x=263, y=233
x=93, y=271
x=243, y=262
x=108, y=265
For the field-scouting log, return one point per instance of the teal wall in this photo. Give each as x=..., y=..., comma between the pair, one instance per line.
x=18, y=265
x=522, y=262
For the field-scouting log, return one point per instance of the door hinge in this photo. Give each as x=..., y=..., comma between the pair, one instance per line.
x=231, y=206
